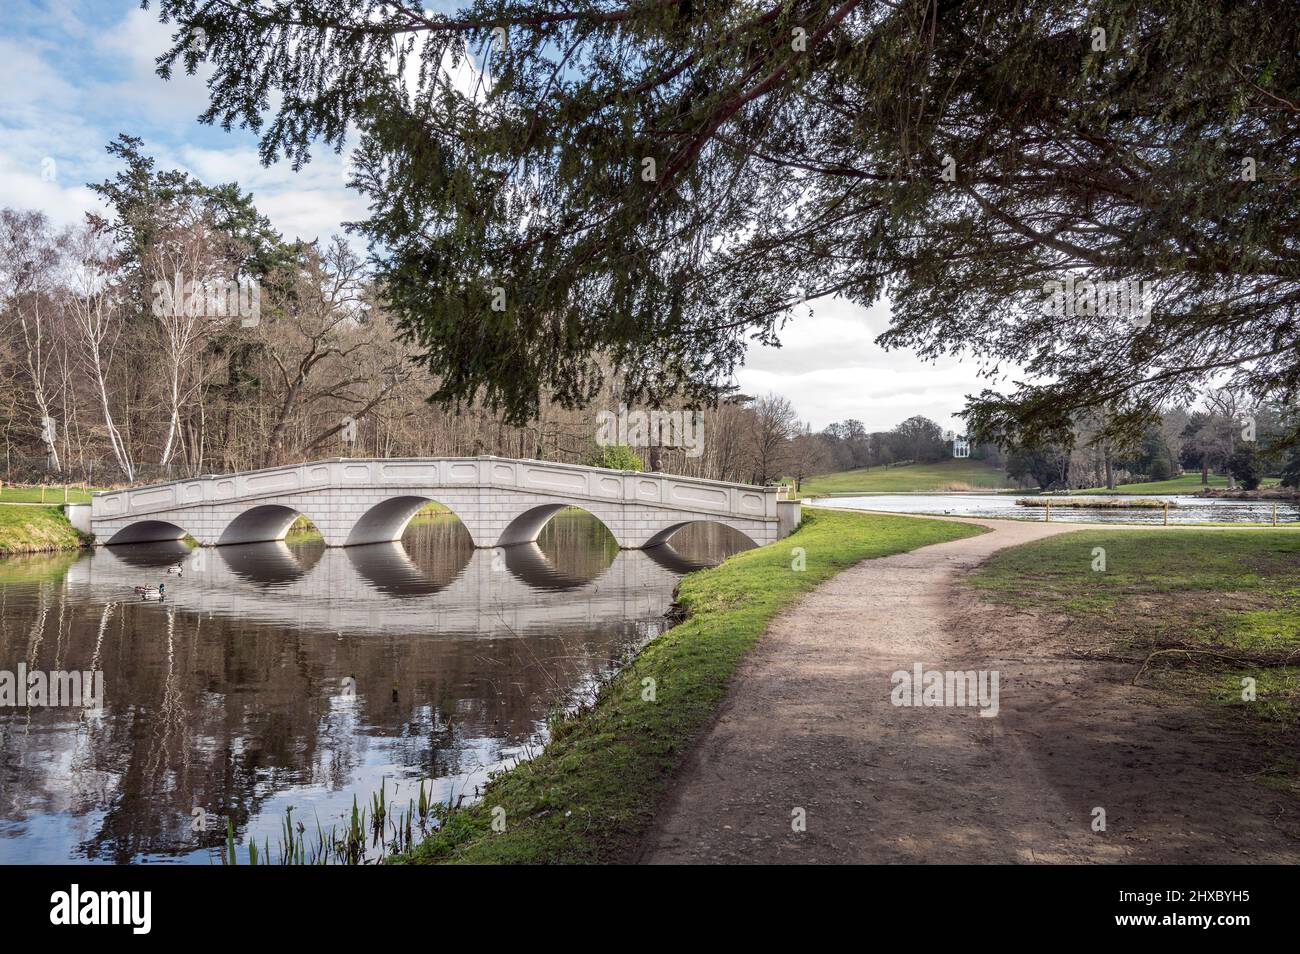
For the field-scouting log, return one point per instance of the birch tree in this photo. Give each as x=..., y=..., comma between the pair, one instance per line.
x=94, y=311
x=181, y=264
x=28, y=262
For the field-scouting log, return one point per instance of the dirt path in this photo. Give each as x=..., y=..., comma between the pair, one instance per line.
x=808, y=724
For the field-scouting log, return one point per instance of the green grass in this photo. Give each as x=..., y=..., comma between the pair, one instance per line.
x=1226, y=603
x=1140, y=563
x=592, y=792
x=1186, y=484
x=906, y=478
x=36, y=529
x=53, y=494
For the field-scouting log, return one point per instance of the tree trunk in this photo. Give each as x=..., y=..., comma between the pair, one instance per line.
x=275, y=443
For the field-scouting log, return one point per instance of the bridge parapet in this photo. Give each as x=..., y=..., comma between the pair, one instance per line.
x=593, y=483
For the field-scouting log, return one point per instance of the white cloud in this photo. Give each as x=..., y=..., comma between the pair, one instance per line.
x=30, y=83
x=309, y=204
x=830, y=368
x=28, y=186
x=310, y=215
x=140, y=94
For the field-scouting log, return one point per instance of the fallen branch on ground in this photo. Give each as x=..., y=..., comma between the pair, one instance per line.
x=1266, y=661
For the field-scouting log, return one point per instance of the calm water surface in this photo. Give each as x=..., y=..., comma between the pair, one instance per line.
x=278, y=675
x=1185, y=509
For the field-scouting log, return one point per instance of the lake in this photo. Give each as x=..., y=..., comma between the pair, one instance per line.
x=1186, y=509
x=291, y=675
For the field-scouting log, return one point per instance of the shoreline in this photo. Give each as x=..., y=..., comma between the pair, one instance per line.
x=593, y=791
x=27, y=529
x=875, y=779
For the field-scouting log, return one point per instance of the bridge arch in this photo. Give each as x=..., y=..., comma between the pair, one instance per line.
x=147, y=531
x=662, y=537
x=526, y=527
x=387, y=520
x=261, y=524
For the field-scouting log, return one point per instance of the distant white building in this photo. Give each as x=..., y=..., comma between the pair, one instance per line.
x=960, y=446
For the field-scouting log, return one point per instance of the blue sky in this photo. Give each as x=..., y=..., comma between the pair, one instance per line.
x=75, y=73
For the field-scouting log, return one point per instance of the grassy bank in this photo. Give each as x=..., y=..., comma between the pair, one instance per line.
x=26, y=529
x=908, y=478
x=1186, y=484
x=50, y=494
x=591, y=794
x=1213, y=606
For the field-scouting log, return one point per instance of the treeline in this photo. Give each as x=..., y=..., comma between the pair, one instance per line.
x=1221, y=435
x=180, y=335
x=849, y=445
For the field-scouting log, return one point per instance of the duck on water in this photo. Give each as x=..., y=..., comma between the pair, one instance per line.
x=148, y=592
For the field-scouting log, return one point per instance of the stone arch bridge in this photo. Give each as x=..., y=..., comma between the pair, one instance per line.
x=500, y=501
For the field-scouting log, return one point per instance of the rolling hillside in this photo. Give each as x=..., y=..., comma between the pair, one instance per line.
x=907, y=478
x=1186, y=484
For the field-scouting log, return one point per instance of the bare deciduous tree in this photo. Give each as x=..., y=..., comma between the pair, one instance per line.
x=93, y=311
x=774, y=423
x=28, y=264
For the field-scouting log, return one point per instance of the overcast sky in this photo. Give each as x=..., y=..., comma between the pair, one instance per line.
x=75, y=73
x=830, y=367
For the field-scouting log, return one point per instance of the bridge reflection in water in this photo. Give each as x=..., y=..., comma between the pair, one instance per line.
x=277, y=675
x=352, y=590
